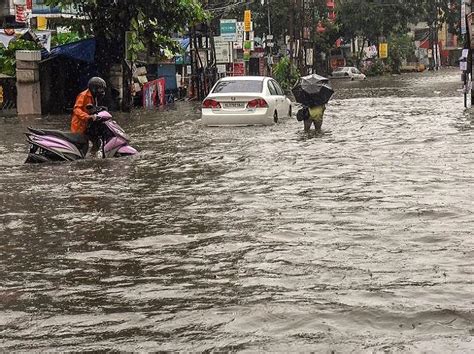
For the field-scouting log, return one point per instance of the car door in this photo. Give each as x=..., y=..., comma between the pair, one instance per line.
x=273, y=96
x=282, y=104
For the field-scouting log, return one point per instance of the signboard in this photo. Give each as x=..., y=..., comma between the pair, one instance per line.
x=469, y=25
x=229, y=30
x=239, y=69
x=223, y=50
x=463, y=17
x=238, y=44
x=309, y=56
x=221, y=68
x=247, y=20
x=383, y=50
x=44, y=38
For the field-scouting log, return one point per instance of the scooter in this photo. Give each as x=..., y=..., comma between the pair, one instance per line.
x=55, y=145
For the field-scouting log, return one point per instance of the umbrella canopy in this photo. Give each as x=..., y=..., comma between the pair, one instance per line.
x=312, y=90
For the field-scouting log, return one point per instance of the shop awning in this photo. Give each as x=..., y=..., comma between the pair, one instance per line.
x=83, y=50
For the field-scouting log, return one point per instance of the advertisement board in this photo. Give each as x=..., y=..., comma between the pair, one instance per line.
x=228, y=30
x=383, y=50
x=247, y=21
x=239, y=69
x=223, y=50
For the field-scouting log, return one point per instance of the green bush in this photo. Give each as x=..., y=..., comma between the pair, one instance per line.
x=7, y=55
x=64, y=38
x=376, y=68
x=286, y=73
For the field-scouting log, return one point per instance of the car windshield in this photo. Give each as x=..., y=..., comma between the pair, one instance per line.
x=238, y=86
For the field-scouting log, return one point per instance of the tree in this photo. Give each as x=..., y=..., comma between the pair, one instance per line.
x=372, y=20
x=436, y=13
x=375, y=19
x=153, y=23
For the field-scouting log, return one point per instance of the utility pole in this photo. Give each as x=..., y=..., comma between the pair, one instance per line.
x=291, y=23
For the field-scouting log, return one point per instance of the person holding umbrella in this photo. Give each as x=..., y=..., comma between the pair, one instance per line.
x=313, y=92
x=312, y=115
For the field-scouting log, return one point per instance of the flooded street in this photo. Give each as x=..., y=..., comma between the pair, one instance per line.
x=250, y=239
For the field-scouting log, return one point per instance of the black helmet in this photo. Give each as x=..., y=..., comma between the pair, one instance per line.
x=97, y=87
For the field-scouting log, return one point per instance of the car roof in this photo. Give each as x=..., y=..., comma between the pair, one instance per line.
x=241, y=78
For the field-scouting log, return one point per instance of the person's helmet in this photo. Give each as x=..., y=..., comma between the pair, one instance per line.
x=97, y=87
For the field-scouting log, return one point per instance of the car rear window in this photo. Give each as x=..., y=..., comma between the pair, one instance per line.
x=239, y=86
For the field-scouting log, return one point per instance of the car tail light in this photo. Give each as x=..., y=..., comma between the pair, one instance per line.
x=257, y=103
x=211, y=104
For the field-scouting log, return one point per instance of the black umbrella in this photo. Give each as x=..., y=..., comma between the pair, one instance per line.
x=312, y=90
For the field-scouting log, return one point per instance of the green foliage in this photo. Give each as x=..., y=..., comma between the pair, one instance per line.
x=153, y=21
x=375, y=68
x=438, y=12
x=7, y=55
x=65, y=38
x=374, y=19
x=286, y=73
x=400, y=48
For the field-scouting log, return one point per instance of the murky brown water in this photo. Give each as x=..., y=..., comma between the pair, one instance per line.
x=250, y=239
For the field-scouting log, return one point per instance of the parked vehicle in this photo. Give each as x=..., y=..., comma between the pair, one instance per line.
x=55, y=145
x=245, y=100
x=348, y=72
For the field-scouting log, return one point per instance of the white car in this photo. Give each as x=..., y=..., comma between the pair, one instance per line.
x=245, y=100
x=348, y=72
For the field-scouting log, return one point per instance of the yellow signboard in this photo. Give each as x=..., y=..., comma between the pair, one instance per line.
x=383, y=50
x=42, y=23
x=247, y=20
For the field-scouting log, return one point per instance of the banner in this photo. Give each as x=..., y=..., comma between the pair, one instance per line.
x=154, y=93
x=20, y=14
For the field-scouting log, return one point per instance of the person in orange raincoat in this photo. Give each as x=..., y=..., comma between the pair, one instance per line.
x=80, y=114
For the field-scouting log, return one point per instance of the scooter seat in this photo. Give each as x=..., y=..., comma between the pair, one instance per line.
x=75, y=138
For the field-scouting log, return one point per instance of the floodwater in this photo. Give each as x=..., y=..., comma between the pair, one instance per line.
x=359, y=238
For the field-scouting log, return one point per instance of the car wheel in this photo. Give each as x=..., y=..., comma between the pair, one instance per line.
x=275, y=117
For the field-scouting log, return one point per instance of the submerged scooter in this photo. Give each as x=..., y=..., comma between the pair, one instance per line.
x=55, y=145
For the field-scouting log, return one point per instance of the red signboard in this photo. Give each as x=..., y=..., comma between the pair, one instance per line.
x=239, y=69
x=29, y=4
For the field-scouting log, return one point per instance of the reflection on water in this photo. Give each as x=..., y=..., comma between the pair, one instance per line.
x=258, y=238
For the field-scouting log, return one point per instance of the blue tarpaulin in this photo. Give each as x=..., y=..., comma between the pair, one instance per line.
x=184, y=43
x=83, y=50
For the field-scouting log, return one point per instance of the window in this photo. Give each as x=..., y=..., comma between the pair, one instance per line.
x=229, y=86
x=278, y=88
x=272, y=89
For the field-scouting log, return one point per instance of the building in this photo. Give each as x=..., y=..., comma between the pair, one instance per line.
x=7, y=13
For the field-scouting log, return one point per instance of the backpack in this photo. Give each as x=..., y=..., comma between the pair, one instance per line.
x=302, y=114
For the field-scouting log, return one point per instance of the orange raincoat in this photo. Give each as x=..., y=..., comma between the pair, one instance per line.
x=80, y=116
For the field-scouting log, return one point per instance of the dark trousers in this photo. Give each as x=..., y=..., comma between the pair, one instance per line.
x=95, y=140
x=309, y=122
